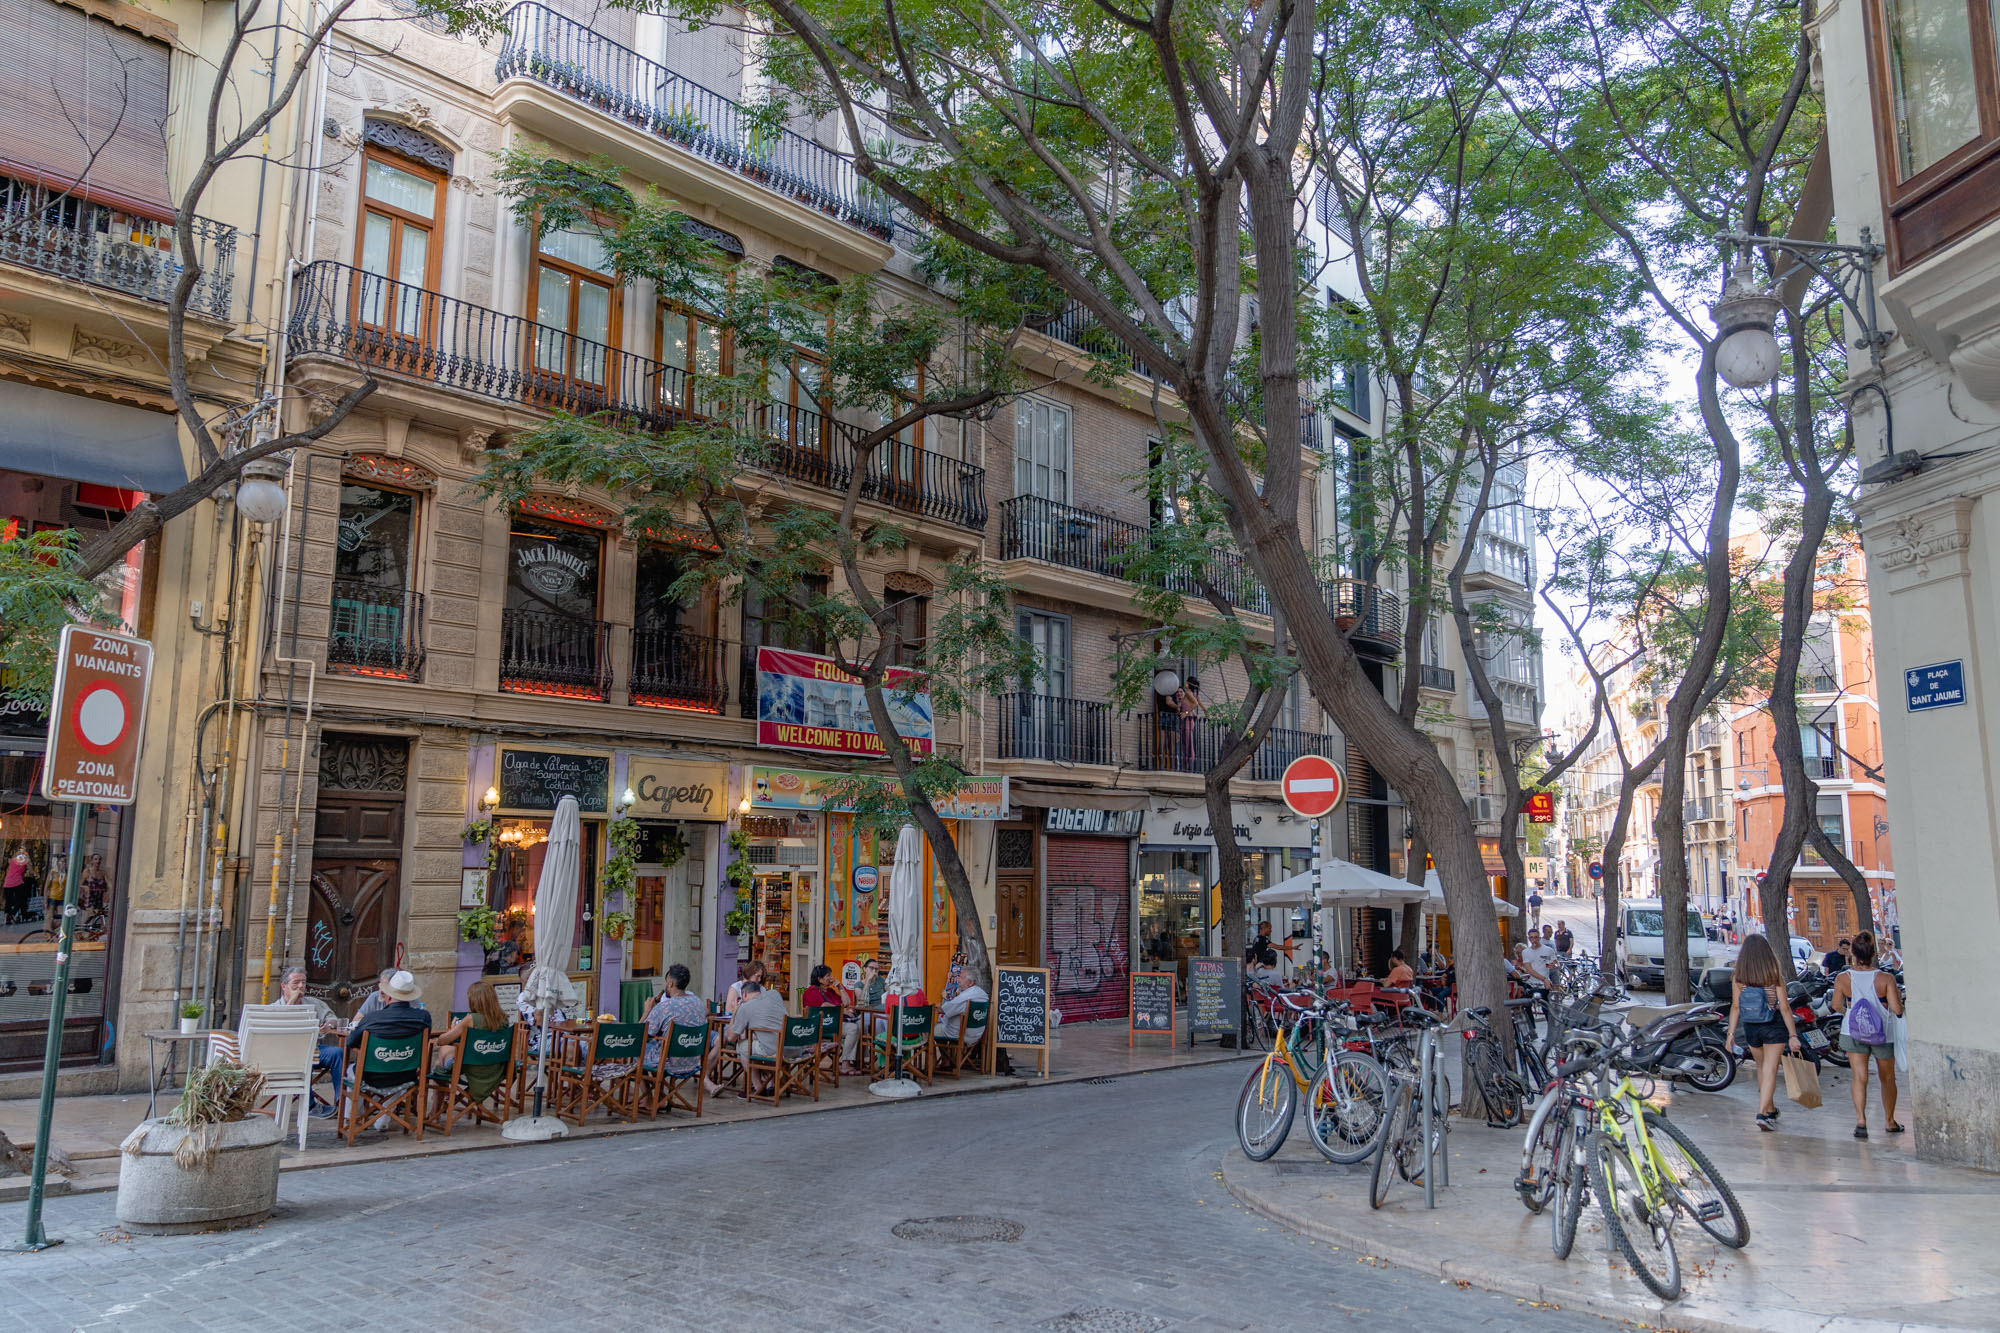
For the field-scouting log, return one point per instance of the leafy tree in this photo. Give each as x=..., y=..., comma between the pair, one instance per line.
x=687, y=482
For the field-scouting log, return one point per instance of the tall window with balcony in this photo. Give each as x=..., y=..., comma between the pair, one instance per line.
x=83, y=167
x=912, y=611
x=1822, y=755
x=1936, y=82
x=551, y=641
x=376, y=625
x=1818, y=660
x=577, y=314
x=1038, y=521
x=676, y=658
x=1043, y=720
x=768, y=622
x=397, y=252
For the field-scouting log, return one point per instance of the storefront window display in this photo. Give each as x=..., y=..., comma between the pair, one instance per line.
x=1172, y=918
x=34, y=852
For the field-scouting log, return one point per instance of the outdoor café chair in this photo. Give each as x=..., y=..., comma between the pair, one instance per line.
x=955, y=1053
x=482, y=1084
x=798, y=1056
x=606, y=1074
x=912, y=1044
x=754, y=1064
x=281, y=1041
x=828, y=1057
x=661, y=1090
x=366, y=1101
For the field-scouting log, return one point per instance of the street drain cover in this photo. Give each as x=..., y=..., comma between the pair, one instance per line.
x=1096, y=1082
x=961, y=1230
x=1104, y=1319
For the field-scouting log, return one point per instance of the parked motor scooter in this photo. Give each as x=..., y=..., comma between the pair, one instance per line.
x=1684, y=1042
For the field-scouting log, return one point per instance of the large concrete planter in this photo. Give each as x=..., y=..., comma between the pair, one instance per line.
x=157, y=1196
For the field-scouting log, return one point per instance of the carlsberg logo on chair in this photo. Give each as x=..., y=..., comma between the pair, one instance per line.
x=613, y=1042
x=489, y=1046
x=396, y=1052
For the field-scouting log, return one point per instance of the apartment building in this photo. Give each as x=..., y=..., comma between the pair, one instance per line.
x=106, y=103
x=1840, y=732
x=1914, y=143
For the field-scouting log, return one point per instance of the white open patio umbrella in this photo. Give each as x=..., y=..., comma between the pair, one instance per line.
x=548, y=985
x=1342, y=884
x=906, y=943
x=1434, y=899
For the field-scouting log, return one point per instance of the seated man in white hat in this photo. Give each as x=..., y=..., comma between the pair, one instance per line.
x=398, y=1016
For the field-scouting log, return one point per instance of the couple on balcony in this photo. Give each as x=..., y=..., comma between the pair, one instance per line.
x=1180, y=721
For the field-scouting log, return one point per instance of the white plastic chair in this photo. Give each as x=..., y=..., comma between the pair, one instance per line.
x=281, y=1040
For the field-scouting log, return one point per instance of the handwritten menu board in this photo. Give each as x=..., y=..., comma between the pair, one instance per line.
x=1215, y=997
x=1152, y=1002
x=1021, y=1008
x=537, y=779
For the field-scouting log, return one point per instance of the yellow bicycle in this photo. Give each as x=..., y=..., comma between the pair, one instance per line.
x=1347, y=1091
x=1647, y=1173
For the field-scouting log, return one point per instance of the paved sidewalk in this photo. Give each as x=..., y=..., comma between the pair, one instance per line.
x=90, y=1129
x=1845, y=1236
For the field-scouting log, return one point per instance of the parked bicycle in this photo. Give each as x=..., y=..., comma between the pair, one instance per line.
x=1345, y=1090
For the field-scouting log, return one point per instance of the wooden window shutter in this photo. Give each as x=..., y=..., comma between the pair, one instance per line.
x=85, y=103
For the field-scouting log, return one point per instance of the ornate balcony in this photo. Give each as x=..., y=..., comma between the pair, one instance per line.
x=45, y=227
x=541, y=653
x=560, y=53
x=672, y=668
x=1054, y=729
x=1442, y=679
x=1369, y=615
x=1281, y=746
x=376, y=631
x=384, y=325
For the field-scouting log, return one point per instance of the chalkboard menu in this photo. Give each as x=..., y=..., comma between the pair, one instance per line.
x=1021, y=1006
x=1215, y=997
x=1153, y=1002
x=537, y=779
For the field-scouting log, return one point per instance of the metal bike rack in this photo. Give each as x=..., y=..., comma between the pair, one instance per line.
x=1433, y=1111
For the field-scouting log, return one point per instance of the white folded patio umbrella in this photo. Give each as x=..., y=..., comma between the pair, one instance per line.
x=906, y=943
x=548, y=985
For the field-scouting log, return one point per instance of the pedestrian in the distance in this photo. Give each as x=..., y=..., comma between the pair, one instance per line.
x=1757, y=1006
x=1865, y=998
x=1535, y=908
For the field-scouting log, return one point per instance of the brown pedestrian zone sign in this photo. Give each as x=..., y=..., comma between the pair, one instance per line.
x=97, y=717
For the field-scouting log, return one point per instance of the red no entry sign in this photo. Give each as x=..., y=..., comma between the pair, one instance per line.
x=1312, y=785
x=97, y=717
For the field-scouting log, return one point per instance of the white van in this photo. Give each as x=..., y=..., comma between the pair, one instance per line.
x=1642, y=944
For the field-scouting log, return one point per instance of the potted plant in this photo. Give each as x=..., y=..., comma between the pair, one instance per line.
x=617, y=925
x=191, y=1013
x=478, y=931
x=208, y=1164
x=736, y=922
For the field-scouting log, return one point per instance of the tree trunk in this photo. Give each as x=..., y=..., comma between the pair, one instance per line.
x=1670, y=833
x=1221, y=814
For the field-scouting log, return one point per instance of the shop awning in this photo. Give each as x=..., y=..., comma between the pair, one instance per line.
x=56, y=434
x=1073, y=798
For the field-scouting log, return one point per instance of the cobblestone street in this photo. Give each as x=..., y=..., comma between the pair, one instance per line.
x=1122, y=1224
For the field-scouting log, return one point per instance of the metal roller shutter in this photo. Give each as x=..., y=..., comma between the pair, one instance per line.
x=1089, y=926
x=85, y=101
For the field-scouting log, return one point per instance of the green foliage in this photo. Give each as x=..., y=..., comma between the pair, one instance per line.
x=479, y=923
x=192, y=1009
x=616, y=925
x=621, y=866
x=40, y=592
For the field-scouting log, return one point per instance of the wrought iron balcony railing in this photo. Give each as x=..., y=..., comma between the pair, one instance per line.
x=1365, y=611
x=1437, y=678
x=1170, y=743
x=672, y=668
x=560, y=53
x=363, y=317
x=1281, y=746
x=46, y=227
x=1032, y=528
x=1822, y=766
x=543, y=653
x=376, y=631
x=1058, y=730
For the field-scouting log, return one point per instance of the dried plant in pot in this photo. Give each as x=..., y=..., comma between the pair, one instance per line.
x=209, y=1164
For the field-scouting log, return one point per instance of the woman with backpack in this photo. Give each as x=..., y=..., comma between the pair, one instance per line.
x=1866, y=997
x=1759, y=1009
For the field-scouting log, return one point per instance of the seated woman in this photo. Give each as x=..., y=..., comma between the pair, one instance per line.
x=677, y=1005
x=868, y=994
x=482, y=1010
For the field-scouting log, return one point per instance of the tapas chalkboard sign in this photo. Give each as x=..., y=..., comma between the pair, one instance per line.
x=537, y=779
x=1021, y=1010
x=1215, y=997
x=1152, y=1004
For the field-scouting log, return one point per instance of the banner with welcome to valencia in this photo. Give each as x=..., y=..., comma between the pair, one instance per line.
x=805, y=702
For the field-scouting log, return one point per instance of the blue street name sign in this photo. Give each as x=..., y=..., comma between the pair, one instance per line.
x=1940, y=685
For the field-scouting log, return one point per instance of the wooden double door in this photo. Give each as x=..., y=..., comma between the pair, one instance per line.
x=357, y=894
x=1018, y=941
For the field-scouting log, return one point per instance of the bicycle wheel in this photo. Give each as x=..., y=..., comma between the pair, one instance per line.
x=1640, y=1232
x=1346, y=1109
x=1571, y=1184
x=1700, y=1189
x=1410, y=1149
x=1264, y=1110
x=1497, y=1088
x=1385, y=1146
x=1541, y=1151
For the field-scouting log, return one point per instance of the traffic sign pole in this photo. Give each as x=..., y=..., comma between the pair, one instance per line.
x=36, y=1238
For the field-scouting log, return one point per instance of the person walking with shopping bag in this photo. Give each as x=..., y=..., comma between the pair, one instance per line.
x=1870, y=1004
x=1758, y=1007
